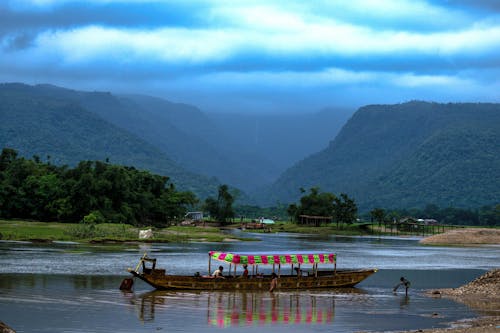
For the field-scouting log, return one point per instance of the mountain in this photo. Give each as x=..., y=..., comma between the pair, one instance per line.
x=212, y=145
x=283, y=138
x=406, y=155
x=192, y=139
x=53, y=123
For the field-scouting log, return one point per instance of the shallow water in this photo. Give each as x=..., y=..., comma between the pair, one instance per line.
x=74, y=288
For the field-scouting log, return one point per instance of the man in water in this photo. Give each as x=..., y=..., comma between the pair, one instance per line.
x=402, y=282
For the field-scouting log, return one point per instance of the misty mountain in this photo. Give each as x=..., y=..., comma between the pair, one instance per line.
x=192, y=139
x=220, y=146
x=284, y=138
x=406, y=155
x=51, y=123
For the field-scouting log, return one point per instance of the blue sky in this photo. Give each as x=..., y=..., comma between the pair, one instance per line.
x=258, y=56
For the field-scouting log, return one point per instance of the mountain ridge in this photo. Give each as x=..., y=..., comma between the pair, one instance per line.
x=378, y=139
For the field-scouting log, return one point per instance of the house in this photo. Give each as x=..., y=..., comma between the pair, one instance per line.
x=194, y=216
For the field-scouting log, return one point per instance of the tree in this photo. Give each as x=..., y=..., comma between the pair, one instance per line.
x=378, y=214
x=222, y=207
x=315, y=203
x=345, y=209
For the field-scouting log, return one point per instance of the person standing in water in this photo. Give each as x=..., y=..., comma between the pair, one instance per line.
x=402, y=282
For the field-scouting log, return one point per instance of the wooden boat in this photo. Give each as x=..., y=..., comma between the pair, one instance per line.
x=297, y=278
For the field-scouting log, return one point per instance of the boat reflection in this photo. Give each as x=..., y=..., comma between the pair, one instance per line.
x=266, y=309
x=226, y=309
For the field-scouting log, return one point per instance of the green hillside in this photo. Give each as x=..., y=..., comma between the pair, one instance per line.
x=407, y=155
x=37, y=122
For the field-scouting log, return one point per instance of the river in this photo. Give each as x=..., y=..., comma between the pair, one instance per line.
x=68, y=287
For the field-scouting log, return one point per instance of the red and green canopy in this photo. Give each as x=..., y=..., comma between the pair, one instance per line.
x=269, y=259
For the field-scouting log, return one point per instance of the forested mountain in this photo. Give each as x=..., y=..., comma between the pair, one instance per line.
x=407, y=155
x=51, y=125
x=210, y=145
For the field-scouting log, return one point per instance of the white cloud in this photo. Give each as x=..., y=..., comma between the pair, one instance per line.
x=174, y=45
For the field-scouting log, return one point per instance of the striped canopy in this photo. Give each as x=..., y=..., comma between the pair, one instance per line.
x=275, y=258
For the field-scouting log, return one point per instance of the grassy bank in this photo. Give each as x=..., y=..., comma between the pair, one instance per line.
x=107, y=232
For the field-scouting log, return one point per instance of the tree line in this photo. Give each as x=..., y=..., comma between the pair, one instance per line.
x=102, y=192
x=483, y=216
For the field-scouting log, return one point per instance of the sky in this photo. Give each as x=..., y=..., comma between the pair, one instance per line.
x=258, y=56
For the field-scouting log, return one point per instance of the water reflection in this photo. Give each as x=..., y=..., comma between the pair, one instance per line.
x=244, y=309
x=259, y=309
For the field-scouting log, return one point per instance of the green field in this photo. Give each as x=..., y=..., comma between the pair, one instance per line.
x=106, y=232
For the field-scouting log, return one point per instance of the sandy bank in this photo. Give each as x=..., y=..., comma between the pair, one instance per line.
x=466, y=236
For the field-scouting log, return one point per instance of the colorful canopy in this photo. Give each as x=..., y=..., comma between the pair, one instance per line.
x=269, y=259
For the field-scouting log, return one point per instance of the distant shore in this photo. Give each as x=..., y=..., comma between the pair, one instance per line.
x=465, y=236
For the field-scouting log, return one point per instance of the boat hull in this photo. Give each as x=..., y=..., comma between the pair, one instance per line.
x=339, y=279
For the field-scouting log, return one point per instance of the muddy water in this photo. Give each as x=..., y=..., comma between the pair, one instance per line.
x=73, y=288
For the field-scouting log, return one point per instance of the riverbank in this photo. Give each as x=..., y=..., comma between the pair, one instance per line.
x=465, y=236
x=47, y=232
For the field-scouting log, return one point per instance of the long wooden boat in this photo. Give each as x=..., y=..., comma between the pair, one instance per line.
x=287, y=277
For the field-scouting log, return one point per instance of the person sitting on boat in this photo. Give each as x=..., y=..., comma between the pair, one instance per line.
x=403, y=282
x=298, y=271
x=218, y=273
x=245, y=271
x=274, y=282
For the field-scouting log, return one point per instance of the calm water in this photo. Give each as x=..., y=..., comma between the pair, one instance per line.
x=74, y=288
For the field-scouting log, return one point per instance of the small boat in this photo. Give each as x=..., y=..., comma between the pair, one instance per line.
x=289, y=268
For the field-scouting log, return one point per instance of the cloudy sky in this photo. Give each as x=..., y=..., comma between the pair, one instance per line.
x=258, y=56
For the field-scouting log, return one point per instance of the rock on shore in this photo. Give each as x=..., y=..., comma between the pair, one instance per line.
x=5, y=329
x=487, y=285
x=465, y=236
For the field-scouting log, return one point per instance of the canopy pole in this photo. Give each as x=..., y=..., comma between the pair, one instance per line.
x=279, y=270
x=234, y=270
x=291, y=273
x=274, y=265
x=209, y=264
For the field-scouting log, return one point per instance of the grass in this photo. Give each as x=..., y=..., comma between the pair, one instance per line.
x=106, y=232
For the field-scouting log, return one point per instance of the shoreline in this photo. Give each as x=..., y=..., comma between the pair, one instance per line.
x=481, y=295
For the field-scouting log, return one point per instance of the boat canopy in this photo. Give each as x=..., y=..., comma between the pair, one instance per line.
x=273, y=258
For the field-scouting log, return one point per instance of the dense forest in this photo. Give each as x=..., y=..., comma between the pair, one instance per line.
x=31, y=189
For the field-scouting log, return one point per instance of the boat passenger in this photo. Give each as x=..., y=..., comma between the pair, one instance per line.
x=245, y=271
x=274, y=282
x=218, y=273
x=298, y=271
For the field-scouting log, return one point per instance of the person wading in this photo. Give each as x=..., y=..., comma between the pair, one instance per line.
x=402, y=282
